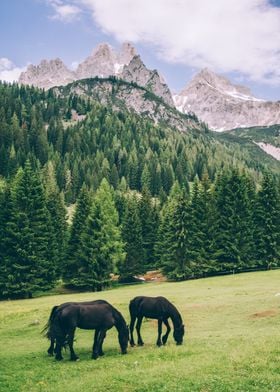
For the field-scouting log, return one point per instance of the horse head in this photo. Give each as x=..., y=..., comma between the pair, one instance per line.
x=124, y=338
x=178, y=334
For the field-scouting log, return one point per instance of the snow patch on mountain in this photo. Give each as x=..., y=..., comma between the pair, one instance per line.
x=270, y=149
x=223, y=105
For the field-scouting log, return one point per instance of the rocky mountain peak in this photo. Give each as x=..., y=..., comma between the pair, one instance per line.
x=99, y=63
x=102, y=62
x=47, y=74
x=209, y=79
x=137, y=72
x=224, y=105
x=103, y=50
x=127, y=53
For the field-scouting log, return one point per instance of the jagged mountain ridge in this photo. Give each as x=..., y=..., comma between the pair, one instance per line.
x=103, y=62
x=223, y=105
x=213, y=98
x=122, y=95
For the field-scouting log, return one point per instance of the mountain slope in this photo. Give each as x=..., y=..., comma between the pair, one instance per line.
x=222, y=105
x=122, y=95
x=267, y=138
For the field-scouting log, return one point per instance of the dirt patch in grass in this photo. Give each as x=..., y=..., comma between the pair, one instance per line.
x=265, y=313
x=154, y=276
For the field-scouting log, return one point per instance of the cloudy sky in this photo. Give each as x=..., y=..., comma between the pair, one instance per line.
x=237, y=38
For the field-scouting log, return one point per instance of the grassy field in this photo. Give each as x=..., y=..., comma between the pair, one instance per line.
x=232, y=341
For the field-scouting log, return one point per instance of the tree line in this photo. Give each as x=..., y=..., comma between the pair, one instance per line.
x=86, y=142
x=201, y=229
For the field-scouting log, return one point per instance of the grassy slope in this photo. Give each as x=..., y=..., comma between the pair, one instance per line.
x=232, y=341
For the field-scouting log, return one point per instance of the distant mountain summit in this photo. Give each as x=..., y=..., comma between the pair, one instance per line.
x=103, y=62
x=47, y=74
x=137, y=72
x=223, y=105
x=216, y=101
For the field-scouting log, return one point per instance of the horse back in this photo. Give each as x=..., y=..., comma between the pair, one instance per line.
x=89, y=315
x=151, y=307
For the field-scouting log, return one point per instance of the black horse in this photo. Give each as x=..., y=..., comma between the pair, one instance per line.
x=98, y=315
x=52, y=348
x=156, y=308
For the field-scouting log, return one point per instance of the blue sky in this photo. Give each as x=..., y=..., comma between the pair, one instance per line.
x=237, y=38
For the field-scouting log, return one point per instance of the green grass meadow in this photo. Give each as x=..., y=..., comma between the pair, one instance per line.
x=232, y=341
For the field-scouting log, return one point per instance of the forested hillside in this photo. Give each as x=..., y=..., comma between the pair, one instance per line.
x=146, y=196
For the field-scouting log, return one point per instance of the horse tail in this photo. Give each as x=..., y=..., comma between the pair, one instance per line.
x=47, y=327
x=134, y=306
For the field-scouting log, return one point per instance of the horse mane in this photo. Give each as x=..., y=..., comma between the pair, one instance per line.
x=120, y=321
x=175, y=315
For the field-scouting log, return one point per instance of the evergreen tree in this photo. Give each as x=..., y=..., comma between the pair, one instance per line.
x=176, y=257
x=149, y=223
x=71, y=265
x=234, y=225
x=132, y=237
x=57, y=211
x=101, y=245
x=267, y=221
x=27, y=240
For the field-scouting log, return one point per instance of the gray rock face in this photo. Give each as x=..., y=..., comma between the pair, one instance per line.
x=121, y=94
x=47, y=74
x=99, y=63
x=222, y=105
x=103, y=62
x=137, y=72
x=126, y=54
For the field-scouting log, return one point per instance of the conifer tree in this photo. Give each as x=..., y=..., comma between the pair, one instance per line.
x=149, y=223
x=233, y=228
x=175, y=261
x=132, y=237
x=101, y=245
x=27, y=240
x=71, y=265
x=267, y=221
x=57, y=211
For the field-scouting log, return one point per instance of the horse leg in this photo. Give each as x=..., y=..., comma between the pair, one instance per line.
x=73, y=356
x=95, y=345
x=58, y=355
x=168, y=329
x=101, y=353
x=51, y=348
x=131, y=328
x=138, y=327
x=159, y=332
x=100, y=341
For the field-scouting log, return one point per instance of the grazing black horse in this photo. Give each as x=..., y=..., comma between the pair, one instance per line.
x=98, y=315
x=156, y=308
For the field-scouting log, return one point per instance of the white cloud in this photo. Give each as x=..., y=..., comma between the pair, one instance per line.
x=233, y=35
x=63, y=11
x=9, y=71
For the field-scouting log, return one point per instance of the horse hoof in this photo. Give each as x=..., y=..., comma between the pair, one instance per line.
x=59, y=359
x=132, y=344
x=140, y=344
x=95, y=357
x=74, y=359
x=50, y=354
